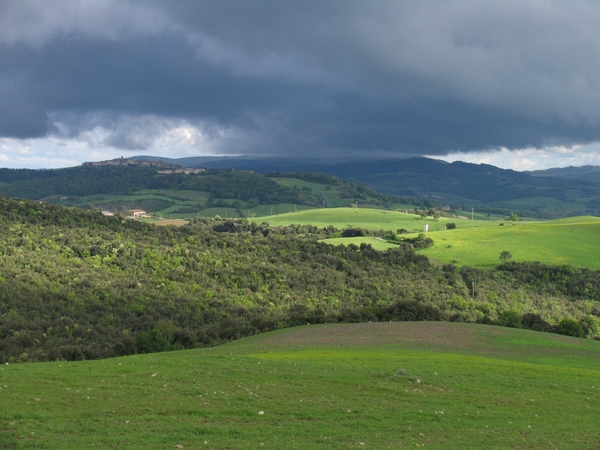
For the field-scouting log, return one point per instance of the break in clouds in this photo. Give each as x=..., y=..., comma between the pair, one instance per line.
x=310, y=78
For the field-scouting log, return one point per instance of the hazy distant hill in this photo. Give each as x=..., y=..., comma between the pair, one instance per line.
x=583, y=173
x=482, y=186
x=257, y=164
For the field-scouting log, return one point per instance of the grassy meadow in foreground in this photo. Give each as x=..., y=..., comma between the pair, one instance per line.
x=385, y=385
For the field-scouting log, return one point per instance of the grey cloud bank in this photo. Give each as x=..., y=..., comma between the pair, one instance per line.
x=300, y=78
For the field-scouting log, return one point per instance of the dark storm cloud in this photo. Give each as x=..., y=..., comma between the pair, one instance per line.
x=304, y=77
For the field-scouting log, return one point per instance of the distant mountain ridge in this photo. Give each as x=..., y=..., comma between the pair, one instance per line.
x=582, y=173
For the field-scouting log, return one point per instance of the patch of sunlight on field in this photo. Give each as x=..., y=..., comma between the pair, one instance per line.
x=376, y=243
x=572, y=241
x=371, y=219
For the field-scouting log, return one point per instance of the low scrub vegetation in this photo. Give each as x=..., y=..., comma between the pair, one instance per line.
x=78, y=285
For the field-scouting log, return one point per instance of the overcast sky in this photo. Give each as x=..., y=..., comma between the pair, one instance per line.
x=510, y=83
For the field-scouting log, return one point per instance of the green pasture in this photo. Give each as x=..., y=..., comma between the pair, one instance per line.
x=212, y=212
x=264, y=212
x=368, y=218
x=376, y=243
x=383, y=385
x=179, y=198
x=574, y=241
x=477, y=243
x=545, y=205
x=191, y=199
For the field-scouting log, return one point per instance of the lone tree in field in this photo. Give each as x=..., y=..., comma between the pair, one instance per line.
x=505, y=255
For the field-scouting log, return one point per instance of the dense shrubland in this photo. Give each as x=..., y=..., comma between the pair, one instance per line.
x=77, y=285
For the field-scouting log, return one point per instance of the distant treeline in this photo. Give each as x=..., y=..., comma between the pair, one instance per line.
x=79, y=181
x=78, y=285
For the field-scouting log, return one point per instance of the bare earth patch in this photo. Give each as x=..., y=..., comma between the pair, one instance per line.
x=176, y=222
x=443, y=334
x=474, y=339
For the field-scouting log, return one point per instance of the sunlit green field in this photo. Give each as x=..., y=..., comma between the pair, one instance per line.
x=371, y=219
x=328, y=386
x=574, y=241
x=376, y=243
x=477, y=243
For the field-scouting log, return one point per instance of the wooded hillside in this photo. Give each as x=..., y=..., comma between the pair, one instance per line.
x=75, y=284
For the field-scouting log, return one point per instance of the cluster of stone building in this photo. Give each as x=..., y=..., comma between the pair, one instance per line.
x=166, y=168
x=132, y=162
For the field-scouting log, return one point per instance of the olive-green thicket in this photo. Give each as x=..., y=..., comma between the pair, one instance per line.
x=75, y=284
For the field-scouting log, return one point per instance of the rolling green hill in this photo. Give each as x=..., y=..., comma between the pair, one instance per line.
x=476, y=243
x=574, y=191
x=396, y=385
x=583, y=173
x=574, y=241
x=417, y=181
x=372, y=219
x=231, y=193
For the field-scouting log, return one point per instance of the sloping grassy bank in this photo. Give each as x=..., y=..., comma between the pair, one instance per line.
x=326, y=386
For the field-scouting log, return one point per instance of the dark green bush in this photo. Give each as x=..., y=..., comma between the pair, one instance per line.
x=354, y=232
x=425, y=243
x=152, y=341
x=536, y=322
x=570, y=327
x=510, y=319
